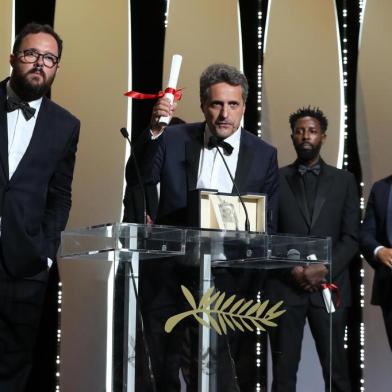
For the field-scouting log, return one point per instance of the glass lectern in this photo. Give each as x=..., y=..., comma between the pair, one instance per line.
x=159, y=308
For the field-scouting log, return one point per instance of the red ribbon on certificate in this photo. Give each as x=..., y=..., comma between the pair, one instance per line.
x=134, y=94
x=334, y=288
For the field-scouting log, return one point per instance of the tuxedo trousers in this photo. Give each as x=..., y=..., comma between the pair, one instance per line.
x=21, y=303
x=387, y=316
x=286, y=344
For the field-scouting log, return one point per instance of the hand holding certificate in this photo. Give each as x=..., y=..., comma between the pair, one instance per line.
x=325, y=290
x=172, y=84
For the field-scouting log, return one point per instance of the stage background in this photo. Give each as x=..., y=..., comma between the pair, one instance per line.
x=111, y=47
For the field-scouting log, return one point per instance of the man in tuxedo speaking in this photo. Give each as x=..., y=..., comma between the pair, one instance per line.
x=320, y=200
x=38, y=141
x=182, y=159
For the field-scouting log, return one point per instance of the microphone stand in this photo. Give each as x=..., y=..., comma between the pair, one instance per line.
x=247, y=224
x=125, y=133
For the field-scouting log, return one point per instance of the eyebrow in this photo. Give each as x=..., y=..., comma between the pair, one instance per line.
x=38, y=51
x=229, y=102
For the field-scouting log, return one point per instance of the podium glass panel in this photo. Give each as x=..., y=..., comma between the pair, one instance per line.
x=199, y=321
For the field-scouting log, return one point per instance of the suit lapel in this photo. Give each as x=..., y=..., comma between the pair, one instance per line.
x=3, y=133
x=324, y=184
x=192, y=156
x=297, y=187
x=40, y=136
x=245, y=158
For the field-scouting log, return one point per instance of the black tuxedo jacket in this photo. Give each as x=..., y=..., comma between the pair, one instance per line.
x=35, y=202
x=376, y=230
x=336, y=215
x=173, y=160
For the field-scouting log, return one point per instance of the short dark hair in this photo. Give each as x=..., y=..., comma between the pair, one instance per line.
x=35, y=28
x=222, y=73
x=314, y=112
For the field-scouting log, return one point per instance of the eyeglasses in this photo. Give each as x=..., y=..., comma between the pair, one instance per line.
x=31, y=56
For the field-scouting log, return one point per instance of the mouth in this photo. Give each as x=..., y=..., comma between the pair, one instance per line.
x=306, y=146
x=224, y=124
x=37, y=71
x=36, y=76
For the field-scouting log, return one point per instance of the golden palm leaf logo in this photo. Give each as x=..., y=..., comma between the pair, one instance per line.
x=227, y=313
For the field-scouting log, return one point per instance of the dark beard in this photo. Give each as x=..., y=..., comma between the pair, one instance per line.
x=306, y=155
x=27, y=91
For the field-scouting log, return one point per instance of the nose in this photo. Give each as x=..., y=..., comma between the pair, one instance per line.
x=224, y=111
x=306, y=134
x=40, y=60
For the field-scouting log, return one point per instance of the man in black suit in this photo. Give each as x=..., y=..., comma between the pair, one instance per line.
x=315, y=199
x=181, y=159
x=376, y=246
x=38, y=142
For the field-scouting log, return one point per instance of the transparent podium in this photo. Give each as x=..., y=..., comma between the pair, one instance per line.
x=160, y=308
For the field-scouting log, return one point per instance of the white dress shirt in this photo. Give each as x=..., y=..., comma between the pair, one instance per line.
x=212, y=172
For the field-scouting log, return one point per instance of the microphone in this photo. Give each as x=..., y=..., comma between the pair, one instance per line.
x=214, y=143
x=293, y=254
x=125, y=133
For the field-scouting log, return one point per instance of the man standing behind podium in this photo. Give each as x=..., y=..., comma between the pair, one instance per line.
x=181, y=159
x=315, y=199
x=37, y=154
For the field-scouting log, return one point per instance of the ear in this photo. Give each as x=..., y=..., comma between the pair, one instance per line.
x=12, y=60
x=323, y=137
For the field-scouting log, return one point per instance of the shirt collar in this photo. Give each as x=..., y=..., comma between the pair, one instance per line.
x=319, y=162
x=34, y=104
x=233, y=140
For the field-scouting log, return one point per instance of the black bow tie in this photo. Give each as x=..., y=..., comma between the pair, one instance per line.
x=315, y=169
x=13, y=104
x=215, y=142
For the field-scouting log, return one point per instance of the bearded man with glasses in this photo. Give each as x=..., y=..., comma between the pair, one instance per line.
x=38, y=141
